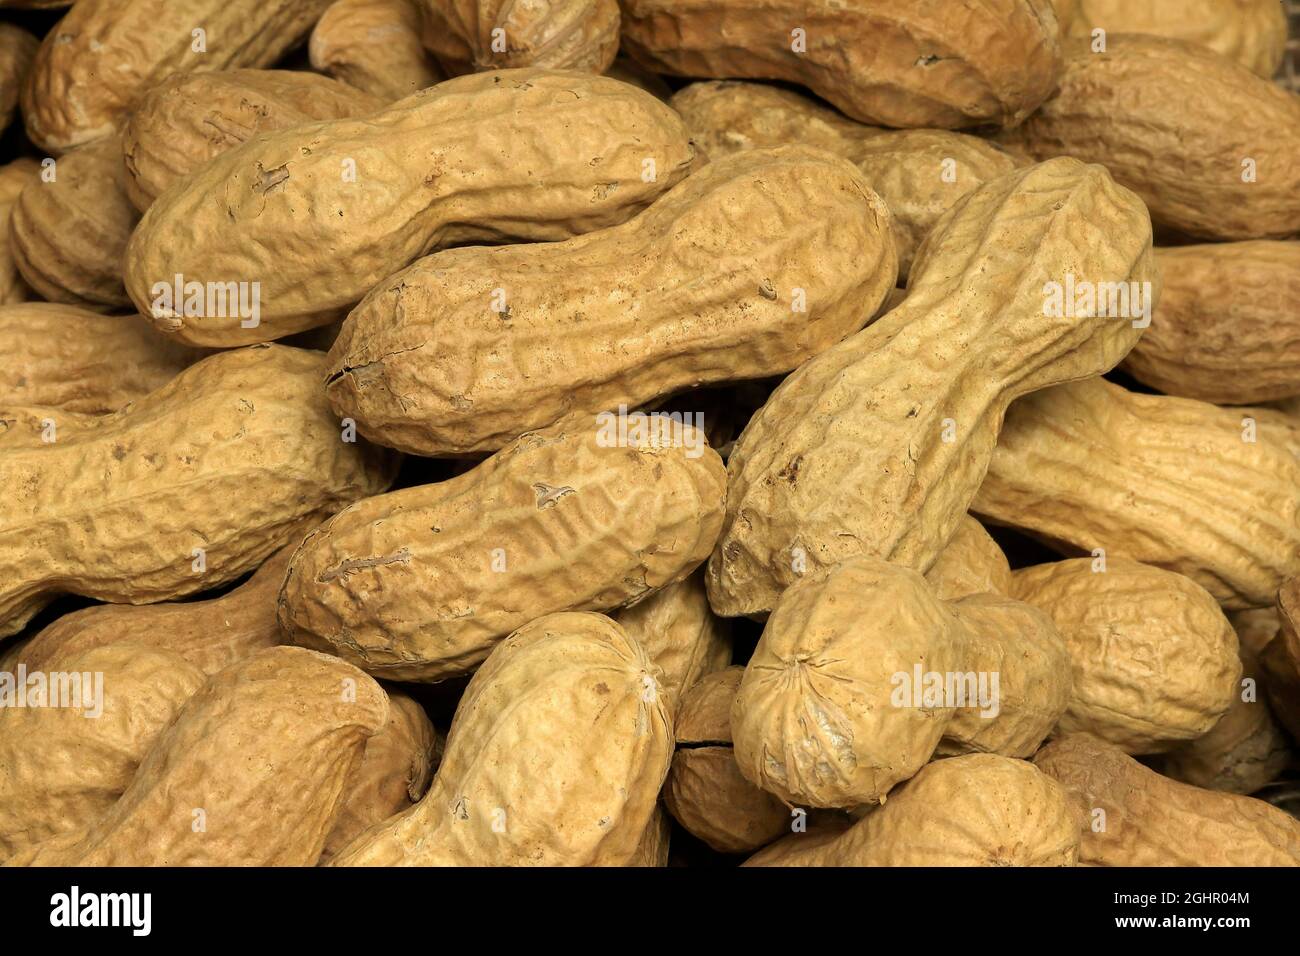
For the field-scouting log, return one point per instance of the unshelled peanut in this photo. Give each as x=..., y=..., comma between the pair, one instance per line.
x=17, y=53
x=420, y=584
x=878, y=445
x=374, y=46
x=744, y=270
x=555, y=758
x=500, y=34
x=14, y=178
x=319, y=214
x=971, y=563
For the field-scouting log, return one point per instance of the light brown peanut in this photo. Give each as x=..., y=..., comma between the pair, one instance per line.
x=17, y=53
x=555, y=758
x=744, y=270
x=1205, y=491
x=420, y=584
x=971, y=563
x=500, y=34
x=523, y=155
x=1136, y=817
x=878, y=445
x=181, y=491
x=374, y=46
x=862, y=675
x=14, y=178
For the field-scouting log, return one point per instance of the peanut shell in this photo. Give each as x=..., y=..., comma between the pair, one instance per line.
x=500, y=34
x=374, y=46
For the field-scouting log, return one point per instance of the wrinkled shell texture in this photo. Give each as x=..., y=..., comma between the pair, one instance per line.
x=1228, y=326
x=976, y=810
x=906, y=63
x=1154, y=660
x=1166, y=481
x=374, y=46
x=1129, y=109
x=1252, y=32
x=190, y=118
x=555, y=758
x=501, y=34
x=1151, y=820
x=675, y=298
x=17, y=51
x=919, y=173
x=819, y=719
x=14, y=177
x=63, y=768
x=299, y=721
x=64, y=357
x=421, y=583
x=236, y=456
x=879, y=444
x=522, y=155
x=99, y=58
x=69, y=235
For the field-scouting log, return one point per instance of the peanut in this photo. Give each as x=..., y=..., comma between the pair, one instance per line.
x=678, y=631
x=432, y=362
x=420, y=584
x=393, y=775
x=1205, y=491
x=99, y=58
x=1138, y=818
x=497, y=34
x=555, y=758
x=374, y=46
x=971, y=563
x=1228, y=326
x=14, y=178
x=879, y=444
x=209, y=635
x=977, y=810
x=69, y=232
x=705, y=792
x=17, y=53
x=381, y=192
x=891, y=62
x=919, y=173
x=65, y=357
x=1252, y=32
x=1220, y=164
x=847, y=692
x=190, y=118
x=63, y=764
x=181, y=491
x=250, y=773
x=1153, y=659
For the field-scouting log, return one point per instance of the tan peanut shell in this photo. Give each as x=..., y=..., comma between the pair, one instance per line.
x=66, y=357
x=393, y=775
x=14, y=178
x=374, y=46
x=680, y=633
x=236, y=456
x=98, y=59
x=1280, y=659
x=319, y=214
x=17, y=53
x=836, y=705
x=878, y=445
x=1154, y=660
x=1251, y=32
x=744, y=270
x=190, y=118
x=893, y=62
x=652, y=851
x=69, y=233
x=1228, y=326
x=251, y=772
x=1244, y=751
x=421, y=583
x=1150, y=820
x=919, y=173
x=554, y=758
x=210, y=635
x=1171, y=482
x=705, y=792
x=501, y=34
x=63, y=764
x=971, y=563
x=976, y=810
x=1218, y=164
